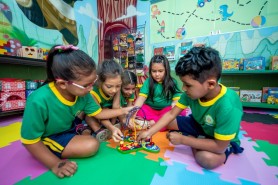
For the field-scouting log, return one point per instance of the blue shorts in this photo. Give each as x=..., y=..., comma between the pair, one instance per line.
x=188, y=126
x=57, y=142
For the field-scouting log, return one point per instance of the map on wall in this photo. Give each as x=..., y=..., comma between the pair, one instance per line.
x=178, y=19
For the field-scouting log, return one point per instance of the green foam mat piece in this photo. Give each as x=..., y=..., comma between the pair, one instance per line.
x=270, y=150
x=108, y=166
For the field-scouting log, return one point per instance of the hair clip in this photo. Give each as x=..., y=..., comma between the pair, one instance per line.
x=66, y=47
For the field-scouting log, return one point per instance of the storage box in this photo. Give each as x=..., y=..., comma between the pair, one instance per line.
x=29, y=84
x=12, y=105
x=274, y=63
x=267, y=91
x=11, y=84
x=12, y=95
x=236, y=89
x=29, y=52
x=250, y=95
x=230, y=64
x=273, y=91
x=12, y=100
x=255, y=63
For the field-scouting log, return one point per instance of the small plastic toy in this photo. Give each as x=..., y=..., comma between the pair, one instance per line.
x=129, y=143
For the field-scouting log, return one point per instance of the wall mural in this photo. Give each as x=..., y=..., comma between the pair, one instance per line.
x=43, y=23
x=178, y=19
x=173, y=34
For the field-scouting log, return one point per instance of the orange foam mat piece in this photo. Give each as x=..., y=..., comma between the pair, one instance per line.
x=159, y=139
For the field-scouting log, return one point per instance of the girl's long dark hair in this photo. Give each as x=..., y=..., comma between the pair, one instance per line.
x=169, y=86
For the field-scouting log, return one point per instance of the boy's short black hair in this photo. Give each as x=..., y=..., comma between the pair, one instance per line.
x=201, y=63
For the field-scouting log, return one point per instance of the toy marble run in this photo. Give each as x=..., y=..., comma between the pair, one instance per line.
x=129, y=143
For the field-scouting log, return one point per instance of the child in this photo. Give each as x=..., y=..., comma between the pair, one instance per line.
x=108, y=86
x=127, y=95
x=212, y=128
x=128, y=88
x=158, y=93
x=48, y=127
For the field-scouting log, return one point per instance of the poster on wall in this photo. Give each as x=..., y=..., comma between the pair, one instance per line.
x=158, y=51
x=169, y=52
x=185, y=46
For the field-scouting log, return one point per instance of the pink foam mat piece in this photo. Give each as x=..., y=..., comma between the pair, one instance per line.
x=249, y=165
x=17, y=164
x=260, y=131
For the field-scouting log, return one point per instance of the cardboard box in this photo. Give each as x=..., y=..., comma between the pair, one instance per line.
x=250, y=95
x=31, y=85
x=236, y=89
x=12, y=100
x=30, y=52
x=12, y=95
x=274, y=63
x=12, y=105
x=255, y=63
x=273, y=91
x=11, y=84
x=268, y=91
x=230, y=64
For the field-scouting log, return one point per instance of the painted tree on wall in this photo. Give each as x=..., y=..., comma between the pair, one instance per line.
x=109, y=12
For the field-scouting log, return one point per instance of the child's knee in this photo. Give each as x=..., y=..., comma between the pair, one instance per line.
x=92, y=147
x=209, y=160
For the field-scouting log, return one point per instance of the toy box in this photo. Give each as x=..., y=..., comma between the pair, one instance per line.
x=255, y=63
x=11, y=84
x=230, y=65
x=30, y=52
x=12, y=95
x=12, y=105
x=274, y=63
x=250, y=95
x=12, y=100
x=31, y=85
x=269, y=91
x=273, y=91
x=236, y=89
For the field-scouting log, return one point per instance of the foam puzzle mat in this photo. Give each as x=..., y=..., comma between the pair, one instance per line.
x=258, y=164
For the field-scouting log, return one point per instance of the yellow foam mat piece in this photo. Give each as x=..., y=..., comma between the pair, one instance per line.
x=9, y=134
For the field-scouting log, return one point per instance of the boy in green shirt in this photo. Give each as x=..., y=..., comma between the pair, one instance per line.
x=212, y=128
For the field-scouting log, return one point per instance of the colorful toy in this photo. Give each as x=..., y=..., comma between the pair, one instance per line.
x=129, y=143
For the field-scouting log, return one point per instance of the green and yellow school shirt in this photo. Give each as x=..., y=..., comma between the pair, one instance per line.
x=47, y=113
x=159, y=100
x=124, y=101
x=102, y=99
x=220, y=117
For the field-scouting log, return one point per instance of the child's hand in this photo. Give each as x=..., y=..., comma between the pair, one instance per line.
x=117, y=135
x=126, y=110
x=143, y=135
x=64, y=168
x=174, y=137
